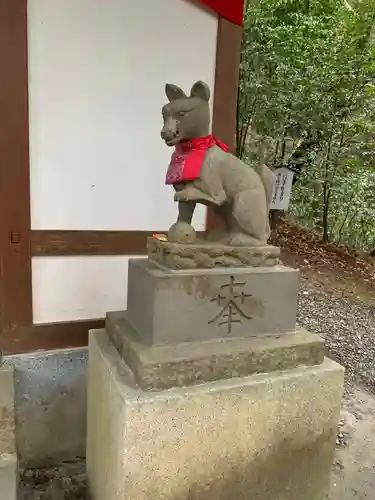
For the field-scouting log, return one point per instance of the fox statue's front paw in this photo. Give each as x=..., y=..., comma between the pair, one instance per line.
x=192, y=194
x=182, y=196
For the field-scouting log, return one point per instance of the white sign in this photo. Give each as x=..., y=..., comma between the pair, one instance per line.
x=282, y=189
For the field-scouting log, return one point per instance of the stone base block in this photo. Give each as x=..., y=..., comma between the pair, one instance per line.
x=50, y=406
x=209, y=255
x=167, y=307
x=8, y=476
x=8, y=455
x=262, y=437
x=7, y=422
x=162, y=367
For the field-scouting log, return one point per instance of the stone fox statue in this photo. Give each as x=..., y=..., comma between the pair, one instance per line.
x=203, y=171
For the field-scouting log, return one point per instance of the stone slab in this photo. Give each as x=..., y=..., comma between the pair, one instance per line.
x=161, y=367
x=166, y=307
x=9, y=476
x=50, y=404
x=262, y=437
x=208, y=255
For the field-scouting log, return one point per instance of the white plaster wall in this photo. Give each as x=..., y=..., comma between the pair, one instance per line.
x=97, y=71
x=73, y=288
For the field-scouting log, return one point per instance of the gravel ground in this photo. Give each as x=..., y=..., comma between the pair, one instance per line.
x=348, y=328
x=353, y=474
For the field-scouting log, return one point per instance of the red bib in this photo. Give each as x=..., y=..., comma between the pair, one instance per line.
x=187, y=159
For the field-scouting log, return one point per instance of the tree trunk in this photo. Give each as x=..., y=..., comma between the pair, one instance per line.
x=325, y=215
x=275, y=218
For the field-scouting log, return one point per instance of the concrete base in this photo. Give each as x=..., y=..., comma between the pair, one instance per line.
x=262, y=437
x=8, y=454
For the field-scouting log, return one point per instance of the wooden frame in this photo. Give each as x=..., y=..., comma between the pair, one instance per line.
x=64, y=243
x=15, y=277
x=228, y=55
x=17, y=242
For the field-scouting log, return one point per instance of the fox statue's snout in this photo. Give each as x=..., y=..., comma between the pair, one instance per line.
x=170, y=132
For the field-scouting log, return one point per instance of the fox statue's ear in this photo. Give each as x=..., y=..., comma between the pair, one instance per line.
x=174, y=92
x=201, y=90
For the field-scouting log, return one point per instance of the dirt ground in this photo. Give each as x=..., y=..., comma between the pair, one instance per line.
x=67, y=482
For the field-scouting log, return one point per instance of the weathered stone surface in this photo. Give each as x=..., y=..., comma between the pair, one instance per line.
x=7, y=423
x=8, y=476
x=203, y=304
x=262, y=437
x=209, y=255
x=50, y=404
x=8, y=454
x=162, y=367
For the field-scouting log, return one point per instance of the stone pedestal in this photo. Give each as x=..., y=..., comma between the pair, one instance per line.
x=209, y=255
x=205, y=389
x=166, y=306
x=164, y=366
x=262, y=437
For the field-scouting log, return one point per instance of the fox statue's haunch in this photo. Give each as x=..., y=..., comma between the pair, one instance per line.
x=203, y=171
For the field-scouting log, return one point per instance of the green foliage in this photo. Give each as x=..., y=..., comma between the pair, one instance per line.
x=351, y=219
x=308, y=74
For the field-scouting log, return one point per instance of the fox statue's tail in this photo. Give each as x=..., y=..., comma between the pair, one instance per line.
x=268, y=179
